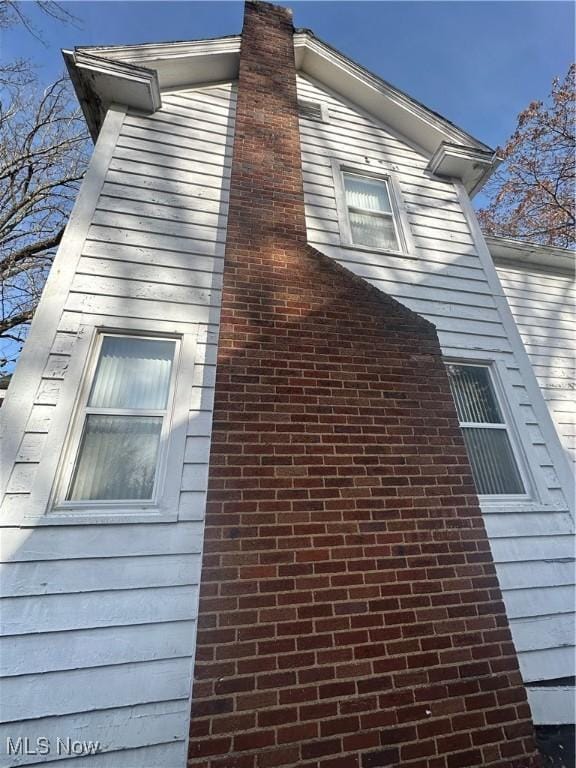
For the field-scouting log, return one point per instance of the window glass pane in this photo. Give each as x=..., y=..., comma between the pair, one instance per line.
x=473, y=394
x=117, y=458
x=132, y=373
x=370, y=194
x=374, y=231
x=493, y=464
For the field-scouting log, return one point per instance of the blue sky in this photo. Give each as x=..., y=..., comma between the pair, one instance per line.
x=477, y=63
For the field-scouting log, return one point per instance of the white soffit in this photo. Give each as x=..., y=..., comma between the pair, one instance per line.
x=201, y=62
x=180, y=64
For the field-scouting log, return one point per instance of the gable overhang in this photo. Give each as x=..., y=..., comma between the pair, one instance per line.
x=100, y=82
x=136, y=75
x=471, y=165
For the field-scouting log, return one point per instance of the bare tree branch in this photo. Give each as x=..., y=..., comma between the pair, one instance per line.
x=43, y=154
x=532, y=197
x=12, y=13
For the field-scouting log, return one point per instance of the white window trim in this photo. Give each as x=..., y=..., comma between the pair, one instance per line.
x=46, y=506
x=399, y=213
x=535, y=492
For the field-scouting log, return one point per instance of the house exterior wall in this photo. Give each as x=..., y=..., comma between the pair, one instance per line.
x=349, y=613
x=542, y=300
x=99, y=615
x=447, y=276
x=100, y=619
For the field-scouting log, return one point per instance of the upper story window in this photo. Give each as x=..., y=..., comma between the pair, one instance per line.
x=495, y=468
x=370, y=215
x=370, y=211
x=124, y=421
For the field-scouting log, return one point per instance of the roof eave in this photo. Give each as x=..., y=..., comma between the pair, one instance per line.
x=471, y=165
x=100, y=82
x=519, y=252
x=125, y=73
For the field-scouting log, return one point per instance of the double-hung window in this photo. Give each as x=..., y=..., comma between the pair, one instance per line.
x=372, y=220
x=495, y=468
x=124, y=421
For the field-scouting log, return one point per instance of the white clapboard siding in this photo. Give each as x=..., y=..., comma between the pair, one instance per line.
x=42, y=577
x=168, y=755
x=63, y=612
x=109, y=686
x=553, y=705
x=557, y=662
x=99, y=621
x=49, y=652
x=445, y=280
x=543, y=304
x=114, y=729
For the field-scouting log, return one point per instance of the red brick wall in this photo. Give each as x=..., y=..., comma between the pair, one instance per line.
x=350, y=614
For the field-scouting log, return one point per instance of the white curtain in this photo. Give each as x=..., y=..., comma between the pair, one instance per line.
x=132, y=373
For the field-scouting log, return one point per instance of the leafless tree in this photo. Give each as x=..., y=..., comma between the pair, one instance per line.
x=532, y=196
x=43, y=153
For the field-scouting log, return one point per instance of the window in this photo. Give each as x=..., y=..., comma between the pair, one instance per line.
x=494, y=465
x=371, y=216
x=124, y=421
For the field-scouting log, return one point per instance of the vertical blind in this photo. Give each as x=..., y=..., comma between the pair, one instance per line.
x=472, y=391
x=132, y=373
x=494, y=466
x=370, y=212
x=117, y=458
x=118, y=451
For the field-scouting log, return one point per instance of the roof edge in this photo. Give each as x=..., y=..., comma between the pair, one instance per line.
x=506, y=249
x=134, y=75
x=458, y=135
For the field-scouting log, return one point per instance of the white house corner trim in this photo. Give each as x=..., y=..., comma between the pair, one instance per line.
x=26, y=378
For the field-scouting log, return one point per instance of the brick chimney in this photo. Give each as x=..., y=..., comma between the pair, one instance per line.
x=350, y=614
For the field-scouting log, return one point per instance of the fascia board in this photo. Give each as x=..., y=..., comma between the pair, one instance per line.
x=155, y=51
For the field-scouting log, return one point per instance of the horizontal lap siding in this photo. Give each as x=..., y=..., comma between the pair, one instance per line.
x=447, y=284
x=542, y=303
x=100, y=621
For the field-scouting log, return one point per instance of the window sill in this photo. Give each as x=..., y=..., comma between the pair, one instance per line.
x=493, y=507
x=379, y=251
x=98, y=516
